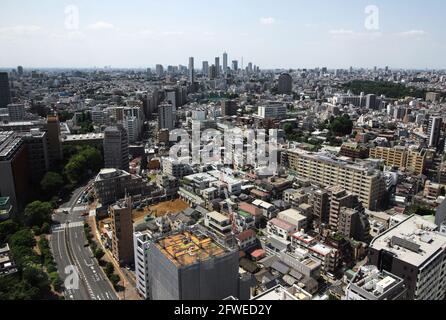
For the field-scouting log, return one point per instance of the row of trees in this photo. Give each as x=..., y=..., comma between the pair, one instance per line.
x=32, y=281
x=389, y=89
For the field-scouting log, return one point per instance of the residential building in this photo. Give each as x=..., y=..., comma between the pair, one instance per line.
x=434, y=131
x=285, y=85
x=116, y=148
x=272, y=111
x=401, y=158
x=415, y=252
x=122, y=228
x=13, y=169
x=369, y=283
x=368, y=184
x=16, y=111
x=54, y=140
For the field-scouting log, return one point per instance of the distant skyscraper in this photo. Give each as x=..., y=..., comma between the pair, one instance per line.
x=235, y=65
x=205, y=70
x=191, y=70
x=159, y=70
x=116, y=148
x=166, y=118
x=250, y=67
x=217, y=66
x=212, y=72
x=225, y=63
x=434, y=131
x=20, y=70
x=285, y=83
x=5, y=94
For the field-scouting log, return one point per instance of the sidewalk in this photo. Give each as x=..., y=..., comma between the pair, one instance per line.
x=129, y=292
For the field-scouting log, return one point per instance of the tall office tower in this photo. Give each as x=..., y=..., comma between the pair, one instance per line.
x=37, y=154
x=166, y=117
x=116, y=148
x=228, y=108
x=225, y=62
x=122, y=229
x=191, y=70
x=285, y=85
x=20, y=70
x=13, y=169
x=192, y=266
x=159, y=70
x=54, y=140
x=5, y=93
x=250, y=67
x=16, y=111
x=205, y=69
x=434, y=131
x=371, y=101
x=217, y=66
x=414, y=251
x=212, y=72
x=235, y=65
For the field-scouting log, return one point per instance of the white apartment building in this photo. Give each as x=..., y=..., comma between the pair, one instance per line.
x=414, y=251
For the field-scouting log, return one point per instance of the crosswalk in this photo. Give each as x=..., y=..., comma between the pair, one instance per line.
x=64, y=226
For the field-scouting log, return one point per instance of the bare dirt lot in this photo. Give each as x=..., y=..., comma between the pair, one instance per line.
x=160, y=209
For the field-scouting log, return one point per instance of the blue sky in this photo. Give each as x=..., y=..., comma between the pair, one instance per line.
x=272, y=34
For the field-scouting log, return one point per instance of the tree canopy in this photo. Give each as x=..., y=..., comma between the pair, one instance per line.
x=37, y=213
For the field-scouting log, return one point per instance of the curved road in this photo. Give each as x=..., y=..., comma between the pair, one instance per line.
x=67, y=244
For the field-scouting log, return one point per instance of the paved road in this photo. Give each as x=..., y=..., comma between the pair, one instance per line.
x=67, y=243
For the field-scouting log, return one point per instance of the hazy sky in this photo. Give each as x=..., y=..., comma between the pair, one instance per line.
x=279, y=33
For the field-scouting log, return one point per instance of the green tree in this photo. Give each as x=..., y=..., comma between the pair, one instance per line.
x=342, y=126
x=99, y=253
x=37, y=213
x=109, y=269
x=7, y=228
x=52, y=183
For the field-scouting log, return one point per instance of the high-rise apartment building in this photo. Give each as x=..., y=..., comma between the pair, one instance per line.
x=166, y=117
x=434, y=131
x=116, y=148
x=37, y=154
x=415, y=252
x=285, y=85
x=5, y=93
x=235, y=65
x=54, y=140
x=205, y=68
x=217, y=66
x=122, y=230
x=401, y=157
x=225, y=62
x=228, y=108
x=321, y=169
x=191, y=70
x=13, y=169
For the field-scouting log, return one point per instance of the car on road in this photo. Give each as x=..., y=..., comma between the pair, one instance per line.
x=65, y=212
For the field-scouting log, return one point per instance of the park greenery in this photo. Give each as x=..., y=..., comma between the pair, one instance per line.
x=37, y=276
x=389, y=89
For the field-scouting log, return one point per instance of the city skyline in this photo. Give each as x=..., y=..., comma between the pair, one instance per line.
x=80, y=34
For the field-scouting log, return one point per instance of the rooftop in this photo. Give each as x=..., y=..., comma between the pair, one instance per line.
x=413, y=240
x=185, y=249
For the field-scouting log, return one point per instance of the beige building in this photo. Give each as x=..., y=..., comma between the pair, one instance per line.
x=366, y=183
x=122, y=228
x=401, y=157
